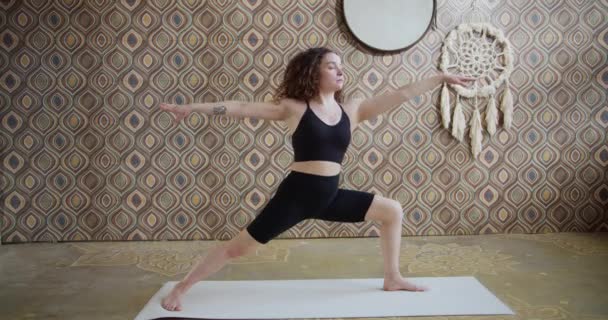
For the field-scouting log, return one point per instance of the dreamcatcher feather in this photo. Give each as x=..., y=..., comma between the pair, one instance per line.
x=478, y=50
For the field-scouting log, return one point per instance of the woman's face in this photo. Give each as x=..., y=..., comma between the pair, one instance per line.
x=331, y=75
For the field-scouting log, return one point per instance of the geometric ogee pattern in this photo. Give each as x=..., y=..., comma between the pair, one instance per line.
x=88, y=155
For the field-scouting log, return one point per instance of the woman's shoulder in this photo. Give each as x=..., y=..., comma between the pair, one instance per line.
x=352, y=105
x=294, y=108
x=290, y=102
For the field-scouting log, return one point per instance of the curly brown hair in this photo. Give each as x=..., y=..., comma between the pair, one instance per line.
x=302, y=76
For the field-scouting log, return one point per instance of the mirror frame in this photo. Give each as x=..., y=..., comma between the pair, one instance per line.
x=432, y=23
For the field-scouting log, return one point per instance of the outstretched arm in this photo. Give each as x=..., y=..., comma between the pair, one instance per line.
x=236, y=109
x=376, y=105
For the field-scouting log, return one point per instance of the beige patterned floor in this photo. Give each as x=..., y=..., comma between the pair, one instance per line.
x=545, y=276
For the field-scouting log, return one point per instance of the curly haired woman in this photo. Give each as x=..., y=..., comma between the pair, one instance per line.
x=310, y=102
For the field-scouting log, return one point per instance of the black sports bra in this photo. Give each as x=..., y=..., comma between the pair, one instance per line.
x=314, y=139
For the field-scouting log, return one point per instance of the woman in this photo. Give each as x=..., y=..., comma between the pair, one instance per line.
x=308, y=101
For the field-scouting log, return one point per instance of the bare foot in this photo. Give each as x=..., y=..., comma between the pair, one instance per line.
x=172, y=301
x=400, y=283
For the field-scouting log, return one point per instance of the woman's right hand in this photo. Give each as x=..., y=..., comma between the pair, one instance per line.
x=179, y=111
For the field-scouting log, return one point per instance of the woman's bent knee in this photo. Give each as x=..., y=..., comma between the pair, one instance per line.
x=241, y=245
x=394, y=212
x=385, y=210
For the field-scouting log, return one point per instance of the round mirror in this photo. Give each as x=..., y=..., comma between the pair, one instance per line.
x=389, y=25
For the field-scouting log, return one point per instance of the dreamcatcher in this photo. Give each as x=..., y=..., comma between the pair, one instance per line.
x=477, y=49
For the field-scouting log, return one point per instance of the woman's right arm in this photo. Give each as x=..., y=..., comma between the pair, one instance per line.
x=240, y=109
x=236, y=109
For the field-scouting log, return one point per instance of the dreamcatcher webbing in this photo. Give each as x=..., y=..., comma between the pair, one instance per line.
x=476, y=57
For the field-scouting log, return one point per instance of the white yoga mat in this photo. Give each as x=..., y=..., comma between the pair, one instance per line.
x=327, y=298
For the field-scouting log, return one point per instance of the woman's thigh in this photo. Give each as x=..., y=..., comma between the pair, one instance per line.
x=348, y=206
x=299, y=197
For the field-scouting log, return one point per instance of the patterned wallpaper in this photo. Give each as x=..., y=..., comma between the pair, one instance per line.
x=88, y=155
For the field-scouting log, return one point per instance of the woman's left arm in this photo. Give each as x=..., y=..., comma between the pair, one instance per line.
x=376, y=105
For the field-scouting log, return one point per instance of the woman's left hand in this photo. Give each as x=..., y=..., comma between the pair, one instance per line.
x=460, y=80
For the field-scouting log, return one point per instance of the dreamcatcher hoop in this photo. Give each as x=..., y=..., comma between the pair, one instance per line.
x=472, y=50
x=478, y=50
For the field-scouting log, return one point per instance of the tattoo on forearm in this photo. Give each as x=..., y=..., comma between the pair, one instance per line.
x=219, y=110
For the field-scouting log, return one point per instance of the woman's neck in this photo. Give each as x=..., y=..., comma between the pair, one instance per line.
x=324, y=99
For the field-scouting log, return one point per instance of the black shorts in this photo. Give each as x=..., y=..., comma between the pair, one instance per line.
x=302, y=196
